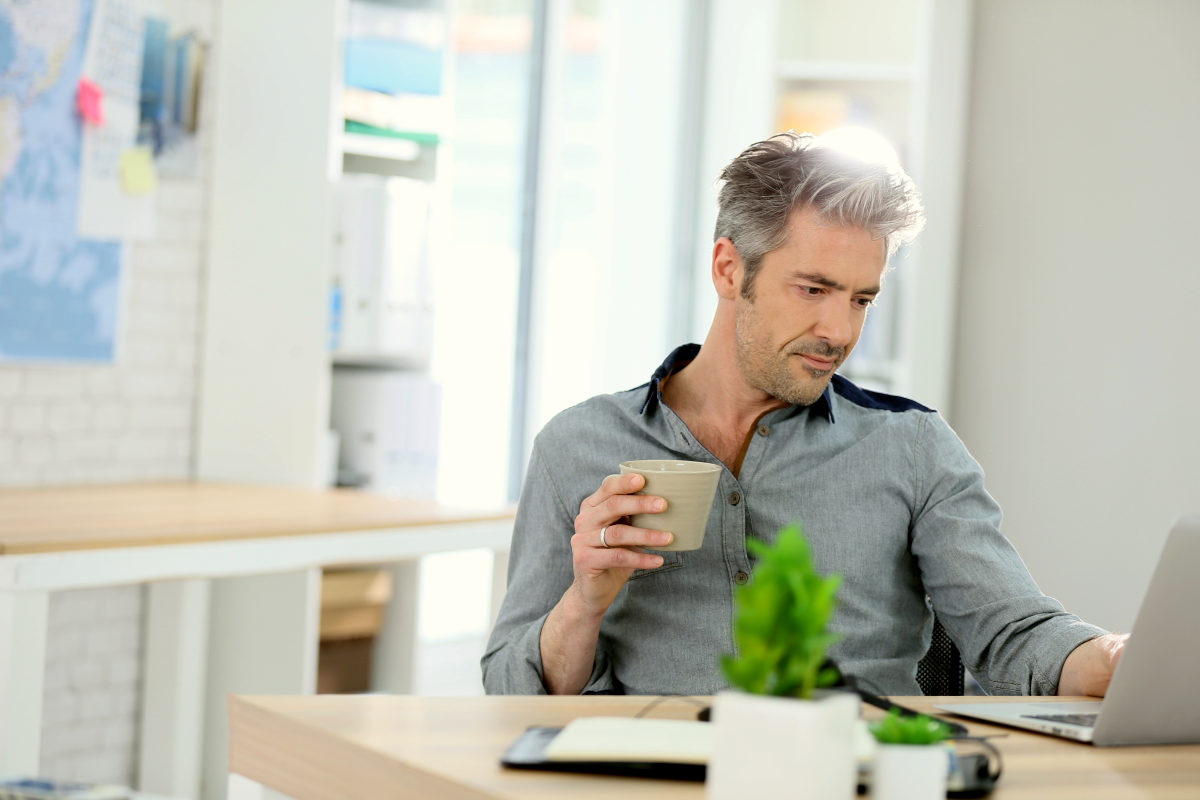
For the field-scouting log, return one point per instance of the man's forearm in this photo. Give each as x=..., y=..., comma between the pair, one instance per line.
x=568, y=644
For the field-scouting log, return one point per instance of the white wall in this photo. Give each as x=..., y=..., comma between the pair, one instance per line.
x=1076, y=376
x=93, y=685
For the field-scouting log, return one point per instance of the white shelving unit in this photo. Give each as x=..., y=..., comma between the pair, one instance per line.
x=265, y=372
x=279, y=152
x=896, y=66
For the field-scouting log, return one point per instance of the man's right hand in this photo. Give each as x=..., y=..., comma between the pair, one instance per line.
x=602, y=565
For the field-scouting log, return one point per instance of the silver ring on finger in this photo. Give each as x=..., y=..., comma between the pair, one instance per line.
x=603, y=543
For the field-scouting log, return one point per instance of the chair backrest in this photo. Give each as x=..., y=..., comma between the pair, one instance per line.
x=940, y=670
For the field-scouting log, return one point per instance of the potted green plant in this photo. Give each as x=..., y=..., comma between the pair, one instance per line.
x=774, y=729
x=781, y=621
x=910, y=762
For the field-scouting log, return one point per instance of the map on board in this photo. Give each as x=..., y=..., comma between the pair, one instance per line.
x=59, y=294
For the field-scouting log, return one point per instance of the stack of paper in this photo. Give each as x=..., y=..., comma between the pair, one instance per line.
x=670, y=741
x=393, y=72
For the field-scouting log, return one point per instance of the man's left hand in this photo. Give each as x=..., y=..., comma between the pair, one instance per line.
x=1089, y=667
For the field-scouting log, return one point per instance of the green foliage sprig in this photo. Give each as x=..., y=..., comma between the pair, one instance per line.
x=913, y=729
x=781, y=620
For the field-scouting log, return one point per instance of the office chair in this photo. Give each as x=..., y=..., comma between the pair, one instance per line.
x=940, y=671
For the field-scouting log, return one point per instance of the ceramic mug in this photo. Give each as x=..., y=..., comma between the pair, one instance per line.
x=688, y=487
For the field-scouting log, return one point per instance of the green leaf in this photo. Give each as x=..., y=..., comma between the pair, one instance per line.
x=908, y=729
x=781, y=619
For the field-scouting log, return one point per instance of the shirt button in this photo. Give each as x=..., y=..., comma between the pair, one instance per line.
x=735, y=498
x=741, y=578
x=763, y=430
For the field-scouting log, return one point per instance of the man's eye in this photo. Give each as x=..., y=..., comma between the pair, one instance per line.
x=811, y=291
x=864, y=302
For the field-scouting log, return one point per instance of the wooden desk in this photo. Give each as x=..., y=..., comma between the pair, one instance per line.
x=233, y=576
x=333, y=747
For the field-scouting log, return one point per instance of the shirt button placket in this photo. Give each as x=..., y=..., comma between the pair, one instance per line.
x=741, y=576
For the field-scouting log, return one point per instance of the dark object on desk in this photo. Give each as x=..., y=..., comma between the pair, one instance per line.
x=529, y=752
x=849, y=684
x=971, y=774
x=957, y=728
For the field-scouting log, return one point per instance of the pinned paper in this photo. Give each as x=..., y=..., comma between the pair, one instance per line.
x=137, y=171
x=89, y=100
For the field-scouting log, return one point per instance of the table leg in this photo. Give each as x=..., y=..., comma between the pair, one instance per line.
x=176, y=650
x=263, y=639
x=22, y=677
x=393, y=662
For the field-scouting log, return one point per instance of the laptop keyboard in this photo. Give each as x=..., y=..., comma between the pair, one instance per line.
x=1086, y=720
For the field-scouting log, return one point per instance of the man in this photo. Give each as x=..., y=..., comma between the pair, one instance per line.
x=887, y=495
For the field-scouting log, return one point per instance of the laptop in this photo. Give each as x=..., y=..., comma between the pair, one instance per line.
x=1154, y=696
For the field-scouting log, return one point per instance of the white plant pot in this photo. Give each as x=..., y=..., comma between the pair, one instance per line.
x=909, y=772
x=766, y=747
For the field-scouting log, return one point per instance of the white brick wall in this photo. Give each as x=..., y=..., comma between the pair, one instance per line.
x=93, y=682
x=130, y=421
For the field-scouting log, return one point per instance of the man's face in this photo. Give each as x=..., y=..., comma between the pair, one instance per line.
x=809, y=301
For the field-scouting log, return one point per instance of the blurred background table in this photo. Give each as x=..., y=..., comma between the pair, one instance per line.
x=233, y=576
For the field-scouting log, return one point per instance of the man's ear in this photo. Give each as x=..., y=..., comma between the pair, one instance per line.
x=726, y=268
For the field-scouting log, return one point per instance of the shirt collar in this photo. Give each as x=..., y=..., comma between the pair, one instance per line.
x=681, y=356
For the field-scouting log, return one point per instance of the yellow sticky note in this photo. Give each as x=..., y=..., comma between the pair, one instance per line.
x=137, y=171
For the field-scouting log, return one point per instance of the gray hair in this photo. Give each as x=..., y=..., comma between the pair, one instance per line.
x=771, y=178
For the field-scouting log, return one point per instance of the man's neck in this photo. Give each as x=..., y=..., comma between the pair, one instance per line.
x=713, y=400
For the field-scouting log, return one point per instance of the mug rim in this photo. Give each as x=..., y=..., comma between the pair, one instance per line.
x=679, y=466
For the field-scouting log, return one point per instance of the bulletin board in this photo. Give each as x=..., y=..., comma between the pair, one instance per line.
x=89, y=92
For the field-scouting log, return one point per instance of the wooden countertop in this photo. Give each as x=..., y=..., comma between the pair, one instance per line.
x=335, y=746
x=55, y=519
x=400, y=746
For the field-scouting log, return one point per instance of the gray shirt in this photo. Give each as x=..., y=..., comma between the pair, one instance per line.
x=887, y=496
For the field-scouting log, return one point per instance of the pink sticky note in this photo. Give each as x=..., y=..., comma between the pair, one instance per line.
x=88, y=101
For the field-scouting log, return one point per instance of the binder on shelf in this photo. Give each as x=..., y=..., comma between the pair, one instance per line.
x=382, y=270
x=388, y=424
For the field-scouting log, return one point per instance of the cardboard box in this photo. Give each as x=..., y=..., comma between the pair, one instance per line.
x=352, y=604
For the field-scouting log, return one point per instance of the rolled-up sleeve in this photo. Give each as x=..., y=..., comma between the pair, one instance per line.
x=539, y=572
x=1013, y=638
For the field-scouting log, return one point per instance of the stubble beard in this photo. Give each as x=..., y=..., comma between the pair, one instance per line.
x=771, y=371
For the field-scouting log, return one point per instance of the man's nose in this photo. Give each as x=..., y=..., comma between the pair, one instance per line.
x=835, y=325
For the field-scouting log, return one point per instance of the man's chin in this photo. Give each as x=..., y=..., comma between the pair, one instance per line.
x=808, y=390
